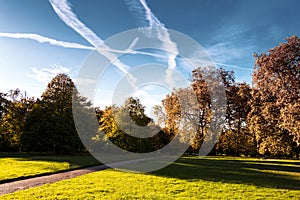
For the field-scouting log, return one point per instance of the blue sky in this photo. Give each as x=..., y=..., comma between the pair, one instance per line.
x=230, y=30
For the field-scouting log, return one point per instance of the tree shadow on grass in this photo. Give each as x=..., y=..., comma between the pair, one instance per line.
x=281, y=175
x=75, y=161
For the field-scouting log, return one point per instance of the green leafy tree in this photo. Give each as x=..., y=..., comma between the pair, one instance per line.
x=50, y=126
x=12, y=123
x=128, y=127
x=4, y=102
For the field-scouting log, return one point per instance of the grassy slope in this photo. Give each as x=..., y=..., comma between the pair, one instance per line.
x=188, y=178
x=17, y=166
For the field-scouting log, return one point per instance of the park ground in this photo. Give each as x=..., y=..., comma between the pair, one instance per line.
x=187, y=178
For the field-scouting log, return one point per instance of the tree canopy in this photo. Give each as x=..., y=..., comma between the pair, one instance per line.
x=50, y=126
x=260, y=120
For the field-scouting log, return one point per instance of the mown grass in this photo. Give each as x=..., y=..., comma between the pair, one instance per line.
x=20, y=166
x=187, y=178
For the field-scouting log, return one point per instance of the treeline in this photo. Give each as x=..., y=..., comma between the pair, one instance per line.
x=260, y=120
x=41, y=125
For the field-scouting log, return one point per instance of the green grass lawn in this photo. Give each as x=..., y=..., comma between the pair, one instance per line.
x=17, y=166
x=188, y=178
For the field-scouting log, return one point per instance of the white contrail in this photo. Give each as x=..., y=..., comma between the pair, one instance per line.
x=162, y=33
x=43, y=39
x=233, y=66
x=152, y=19
x=44, y=75
x=132, y=45
x=211, y=63
x=65, y=13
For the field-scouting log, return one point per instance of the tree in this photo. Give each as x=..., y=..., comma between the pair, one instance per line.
x=12, y=123
x=136, y=111
x=276, y=95
x=4, y=105
x=14, y=94
x=189, y=110
x=4, y=102
x=236, y=138
x=194, y=106
x=50, y=126
x=171, y=105
x=129, y=128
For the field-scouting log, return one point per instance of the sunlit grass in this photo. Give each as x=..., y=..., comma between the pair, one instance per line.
x=24, y=166
x=188, y=178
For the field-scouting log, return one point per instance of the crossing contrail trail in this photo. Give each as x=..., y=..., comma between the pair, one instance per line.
x=42, y=39
x=140, y=7
x=206, y=62
x=65, y=13
x=72, y=45
x=162, y=34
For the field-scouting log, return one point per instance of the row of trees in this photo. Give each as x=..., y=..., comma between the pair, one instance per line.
x=41, y=125
x=260, y=120
x=129, y=128
x=235, y=138
x=47, y=125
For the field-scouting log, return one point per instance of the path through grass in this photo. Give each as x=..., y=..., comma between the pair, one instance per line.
x=188, y=178
x=13, y=167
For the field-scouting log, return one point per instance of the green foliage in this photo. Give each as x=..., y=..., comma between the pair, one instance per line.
x=3, y=104
x=264, y=119
x=12, y=123
x=130, y=128
x=50, y=127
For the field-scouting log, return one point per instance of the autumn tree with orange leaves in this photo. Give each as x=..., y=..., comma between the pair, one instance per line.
x=275, y=115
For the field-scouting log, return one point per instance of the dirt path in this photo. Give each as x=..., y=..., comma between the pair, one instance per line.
x=7, y=188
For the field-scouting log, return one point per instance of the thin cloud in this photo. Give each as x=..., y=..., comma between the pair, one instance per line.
x=85, y=82
x=148, y=100
x=42, y=39
x=224, y=52
x=232, y=42
x=45, y=75
x=233, y=66
x=205, y=62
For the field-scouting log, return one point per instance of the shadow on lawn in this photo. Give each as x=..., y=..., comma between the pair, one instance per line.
x=272, y=174
x=75, y=162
